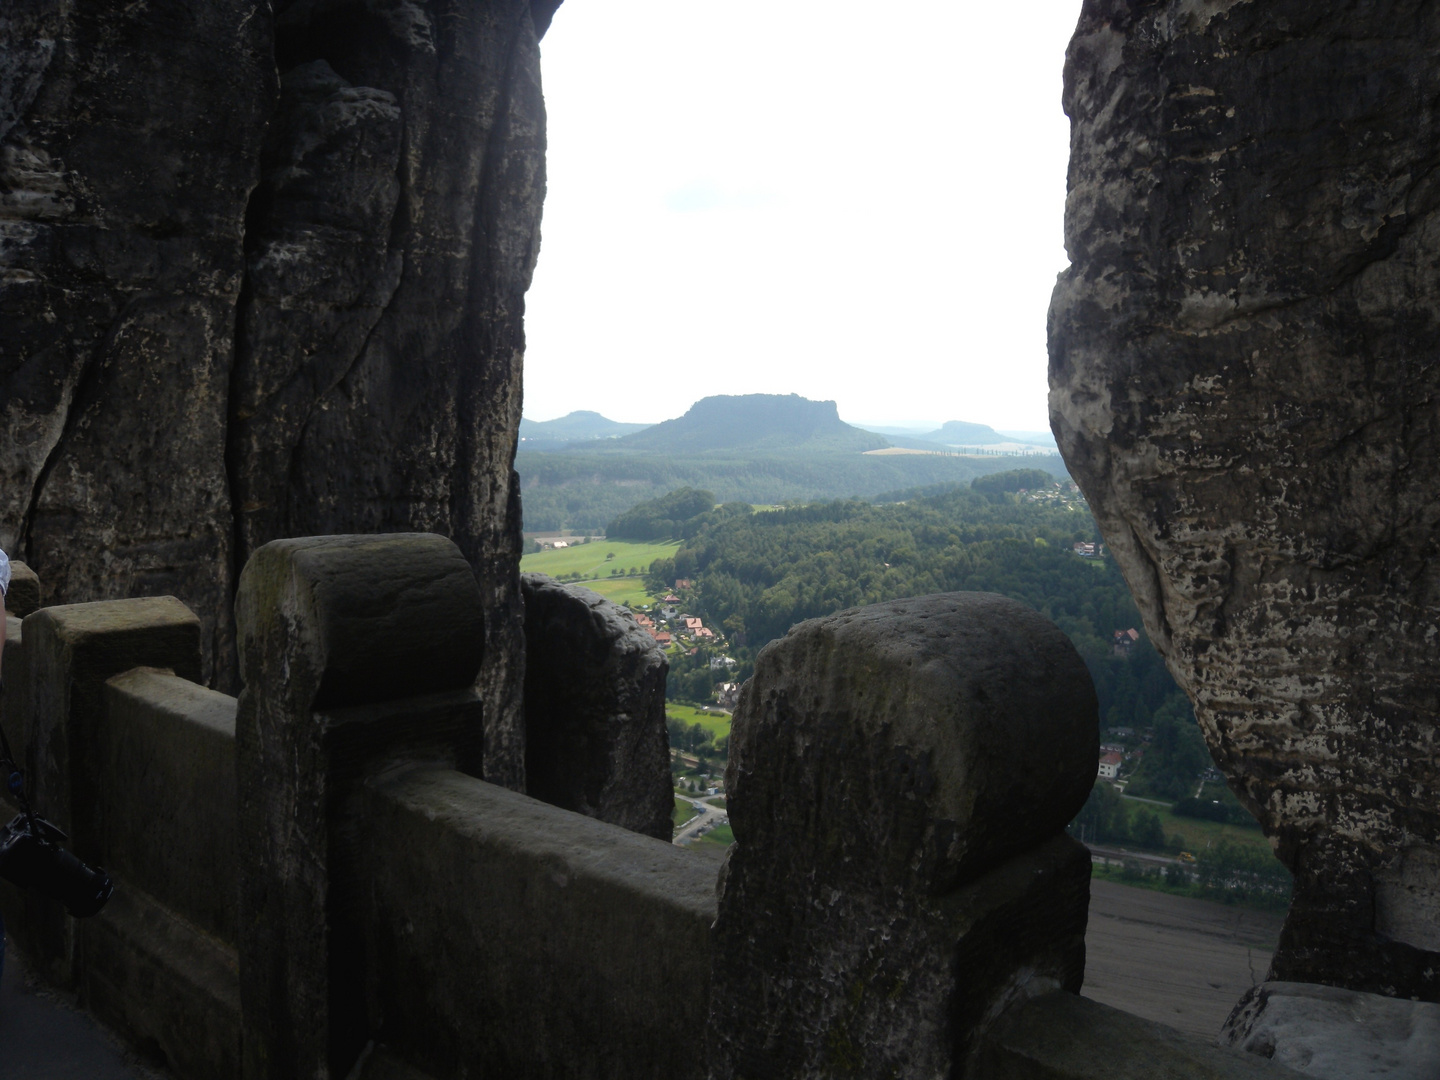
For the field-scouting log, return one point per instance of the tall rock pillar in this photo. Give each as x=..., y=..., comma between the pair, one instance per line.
x=262, y=274
x=1244, y=382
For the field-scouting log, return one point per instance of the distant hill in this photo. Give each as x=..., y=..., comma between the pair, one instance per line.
x=579, y=426
x=753, y=422
x=964, y=433
x=1034, y=438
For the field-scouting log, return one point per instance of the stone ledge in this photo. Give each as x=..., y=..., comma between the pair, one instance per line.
x=1338, y=1034
x=1066, y=1037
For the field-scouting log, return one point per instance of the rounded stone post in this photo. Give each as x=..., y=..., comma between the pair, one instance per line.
x=348, y=647
x=900, y=777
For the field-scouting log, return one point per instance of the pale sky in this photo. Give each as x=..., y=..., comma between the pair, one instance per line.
x=856, y=202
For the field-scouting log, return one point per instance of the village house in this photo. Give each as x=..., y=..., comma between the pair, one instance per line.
x=1125, y=640
x=1110, y=766
x=692, y=623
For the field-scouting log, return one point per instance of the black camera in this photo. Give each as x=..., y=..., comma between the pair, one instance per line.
x=32, y=858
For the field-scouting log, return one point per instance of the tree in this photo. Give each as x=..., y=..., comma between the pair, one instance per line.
x=1102, y=819
x=1147, y=831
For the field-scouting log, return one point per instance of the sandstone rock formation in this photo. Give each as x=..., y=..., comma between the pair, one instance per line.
x=899, y=780
x=1244, y=383
x=1335, y=1034
x=262, y=269
x=595, y=739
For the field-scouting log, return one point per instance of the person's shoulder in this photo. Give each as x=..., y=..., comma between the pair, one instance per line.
x=4, y=574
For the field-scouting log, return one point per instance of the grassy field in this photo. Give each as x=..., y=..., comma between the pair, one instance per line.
x=1199, y=834
x=629, y=591
x=594, y=561
x=1156, y=882
x=589, y=560
x=720, y=836
x=717, y=723
x=683, y=812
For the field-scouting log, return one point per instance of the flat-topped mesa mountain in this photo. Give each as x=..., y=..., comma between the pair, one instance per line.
x=964, y=433
x=754, y=422
x=582, y=425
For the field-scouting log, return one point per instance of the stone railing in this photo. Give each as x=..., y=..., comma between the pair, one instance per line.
x=312, y=882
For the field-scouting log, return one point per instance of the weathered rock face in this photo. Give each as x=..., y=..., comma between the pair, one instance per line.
x=595, y=739
x=1244, y=383
x=1335, y=1034
x=262, y=273
x=129, y=142
x=899, y=779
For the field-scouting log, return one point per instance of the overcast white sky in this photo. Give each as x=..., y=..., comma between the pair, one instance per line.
x=857, y=202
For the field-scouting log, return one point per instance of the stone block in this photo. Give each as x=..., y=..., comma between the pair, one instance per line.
x=1331, y=1033
x=515, y=939
x=174, y=991
x=595, y=738
x=24, y=595
x=1066, y=1037
x=324, y=624
x=360, y=619
x=167, y=807
x=72, y=651
x=890, y=767
x=68, y=654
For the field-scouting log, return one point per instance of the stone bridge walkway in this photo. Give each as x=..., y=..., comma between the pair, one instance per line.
x=43, y=1039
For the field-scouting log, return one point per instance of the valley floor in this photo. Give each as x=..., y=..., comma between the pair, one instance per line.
x=1172, y=959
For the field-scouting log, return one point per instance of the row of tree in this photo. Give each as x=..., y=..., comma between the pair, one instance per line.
x=1234, y=869
x=582, y=491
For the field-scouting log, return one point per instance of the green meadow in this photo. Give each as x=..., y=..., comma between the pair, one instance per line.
x=613, y=568
x=720, y=836
x=683, y=812
x=716, y=722
x=1199, y=834
x=591, y=561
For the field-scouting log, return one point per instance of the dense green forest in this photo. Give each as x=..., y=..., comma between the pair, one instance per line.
x=676, y=516
x=755, y=574
x=584, y=490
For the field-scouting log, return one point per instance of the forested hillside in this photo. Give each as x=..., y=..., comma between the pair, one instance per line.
x=583, y=491
x=757, y=574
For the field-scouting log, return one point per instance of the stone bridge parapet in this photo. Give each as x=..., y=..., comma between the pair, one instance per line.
x=312, y=881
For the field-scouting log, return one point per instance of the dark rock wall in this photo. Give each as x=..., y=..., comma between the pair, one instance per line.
x=1243, y=367
x=262, y=274
x=595, y=738
x=129, y=139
